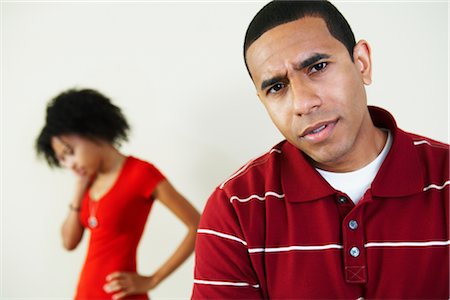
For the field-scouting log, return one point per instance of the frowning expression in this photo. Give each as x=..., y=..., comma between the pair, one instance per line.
x=312, y=90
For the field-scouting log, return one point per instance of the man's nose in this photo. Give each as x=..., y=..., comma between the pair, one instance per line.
x=305, y=99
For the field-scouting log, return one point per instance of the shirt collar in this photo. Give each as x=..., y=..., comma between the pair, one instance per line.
x=396, y=177
x=401, y=173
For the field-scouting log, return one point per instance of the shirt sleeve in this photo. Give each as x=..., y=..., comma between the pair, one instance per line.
x=223, y=269
x=152, y=178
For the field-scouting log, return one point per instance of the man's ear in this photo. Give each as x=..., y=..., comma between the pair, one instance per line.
x=363, y=61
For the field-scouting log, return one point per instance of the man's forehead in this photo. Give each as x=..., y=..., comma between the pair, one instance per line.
x=294, y=40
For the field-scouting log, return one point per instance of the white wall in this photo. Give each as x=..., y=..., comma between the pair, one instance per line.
x=177, y=71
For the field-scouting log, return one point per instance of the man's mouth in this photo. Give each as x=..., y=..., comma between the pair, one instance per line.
x=319, y=131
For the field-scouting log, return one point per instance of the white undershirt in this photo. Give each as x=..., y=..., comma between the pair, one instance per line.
x=356, y=183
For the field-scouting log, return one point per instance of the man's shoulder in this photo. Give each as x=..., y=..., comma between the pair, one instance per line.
x=428, y=143
x=256, y=173
x=428, y=149
x=433, y=157
x=245, y=191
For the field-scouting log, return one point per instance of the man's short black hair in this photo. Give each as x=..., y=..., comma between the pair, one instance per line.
x=280, y=12
x=84, y=112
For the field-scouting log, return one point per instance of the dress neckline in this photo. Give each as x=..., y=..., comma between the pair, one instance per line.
x=115, y=183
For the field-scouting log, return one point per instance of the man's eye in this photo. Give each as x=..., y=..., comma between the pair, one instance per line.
x=276, y=88
x=318, y=67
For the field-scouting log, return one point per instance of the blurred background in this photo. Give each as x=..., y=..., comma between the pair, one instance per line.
x=176, y=70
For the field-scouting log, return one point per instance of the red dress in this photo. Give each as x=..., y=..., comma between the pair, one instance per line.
x=121, y=216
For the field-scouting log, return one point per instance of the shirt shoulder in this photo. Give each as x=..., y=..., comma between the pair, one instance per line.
x=256, y=175
x=143, y=174
x=244, y=191
x=430, y=144
x=142, y=166
x=434, y=159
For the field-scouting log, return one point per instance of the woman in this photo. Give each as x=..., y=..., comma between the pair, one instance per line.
x=114, y=194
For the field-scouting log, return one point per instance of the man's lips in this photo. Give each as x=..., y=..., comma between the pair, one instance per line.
x=319, y=130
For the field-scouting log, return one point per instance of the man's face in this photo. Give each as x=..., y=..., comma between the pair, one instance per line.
x=313, y=91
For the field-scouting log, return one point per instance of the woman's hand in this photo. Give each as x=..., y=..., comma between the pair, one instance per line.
x=82, y=182
x=72, y=230
x=128, y=283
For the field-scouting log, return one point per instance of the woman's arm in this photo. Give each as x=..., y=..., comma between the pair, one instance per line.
x=72, y=231
x=167, y=194
x=131, y=283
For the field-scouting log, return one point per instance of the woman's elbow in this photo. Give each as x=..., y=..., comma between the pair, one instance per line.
x=69, y=244
x=193, y=225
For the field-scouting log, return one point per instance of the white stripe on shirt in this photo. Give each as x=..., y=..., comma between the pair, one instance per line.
x=421, y=142
x=337, y=246
x=236, y=174
x=434, y=186
x=275, y=150
x=210, y=282
x=223, y=235
x=261, y=198
x=407, y=244
x=295, y=248
x=245, y=167
x=320, y=247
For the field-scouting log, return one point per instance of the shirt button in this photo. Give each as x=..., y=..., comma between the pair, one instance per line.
x=354, y=252
x=342, y=199
x=353, y=224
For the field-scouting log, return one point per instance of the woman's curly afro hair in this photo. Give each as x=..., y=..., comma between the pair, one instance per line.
x=84, y=112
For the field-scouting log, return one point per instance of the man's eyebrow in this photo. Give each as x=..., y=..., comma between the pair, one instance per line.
x=270, y=81
x=312, y=60
x=303, y=64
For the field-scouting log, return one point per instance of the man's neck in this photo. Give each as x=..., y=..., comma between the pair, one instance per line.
x=369, y=146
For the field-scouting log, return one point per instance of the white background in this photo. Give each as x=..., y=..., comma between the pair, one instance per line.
x=176, y=69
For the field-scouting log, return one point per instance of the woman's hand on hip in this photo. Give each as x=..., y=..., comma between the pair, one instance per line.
x=122, y=284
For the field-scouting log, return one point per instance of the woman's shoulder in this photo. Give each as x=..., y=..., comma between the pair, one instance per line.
x=142, y=165
x=137, y=161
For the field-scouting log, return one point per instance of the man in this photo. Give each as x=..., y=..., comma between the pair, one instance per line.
x=349, y=205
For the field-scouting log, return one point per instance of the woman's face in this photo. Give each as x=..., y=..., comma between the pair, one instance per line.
x=80, y=154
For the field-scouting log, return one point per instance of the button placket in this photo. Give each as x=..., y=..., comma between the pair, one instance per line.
x=354, y=251
x=344, y=204
x=342, y=199
x=353, y=224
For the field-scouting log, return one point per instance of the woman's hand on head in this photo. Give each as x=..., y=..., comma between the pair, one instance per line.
x=81, y=185
x=83, y=182
x=122, y=284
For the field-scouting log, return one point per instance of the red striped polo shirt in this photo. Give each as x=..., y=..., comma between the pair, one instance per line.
x=277, y=229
